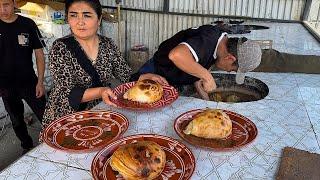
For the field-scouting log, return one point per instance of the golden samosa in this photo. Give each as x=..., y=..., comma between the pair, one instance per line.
x=142, y=160
x=211, y=124
x=145, y=91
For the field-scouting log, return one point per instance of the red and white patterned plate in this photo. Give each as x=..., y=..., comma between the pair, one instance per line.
x=180, y=162
x=244, y=131
x=170, y=94
x=85, y=131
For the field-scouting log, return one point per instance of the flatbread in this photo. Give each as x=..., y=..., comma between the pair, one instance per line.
x=211, y=124
x=145, y=91
x=139, y=160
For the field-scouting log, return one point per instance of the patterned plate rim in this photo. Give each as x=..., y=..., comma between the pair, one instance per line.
x=165, y=88
x=79, y=113
x=119, y=141
x=219, y=149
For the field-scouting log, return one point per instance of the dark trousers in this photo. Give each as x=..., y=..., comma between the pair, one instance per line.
x=13, y=104
x=275, y=61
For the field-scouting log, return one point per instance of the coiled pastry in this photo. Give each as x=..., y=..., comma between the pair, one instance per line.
x=145, y=91
x=143, y=160
x=211, y=123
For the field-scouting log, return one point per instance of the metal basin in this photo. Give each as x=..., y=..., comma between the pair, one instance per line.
x=229, y=91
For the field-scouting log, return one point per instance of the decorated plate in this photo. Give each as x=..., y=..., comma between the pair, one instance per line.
x=85, y=131
x=180, y=162
x=244, y=131
x=170, y=94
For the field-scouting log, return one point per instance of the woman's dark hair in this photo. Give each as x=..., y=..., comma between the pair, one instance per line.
x=94, y=4
x=232, y=45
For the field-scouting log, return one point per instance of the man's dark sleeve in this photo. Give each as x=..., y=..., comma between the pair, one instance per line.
x=204, y=42
x=36, y=37
x=134, y=77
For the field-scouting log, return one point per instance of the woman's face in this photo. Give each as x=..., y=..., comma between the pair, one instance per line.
x=83, y=20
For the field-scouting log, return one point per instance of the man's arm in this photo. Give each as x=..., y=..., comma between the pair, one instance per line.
x=40, y=61
x=184, y=60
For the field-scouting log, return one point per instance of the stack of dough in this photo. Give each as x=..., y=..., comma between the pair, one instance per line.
x=145, y=91
x=211, y=123
x=143, y=160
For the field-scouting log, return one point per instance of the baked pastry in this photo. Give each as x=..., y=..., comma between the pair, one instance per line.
x=211, y=123
x=145, y=91
x=140, y=160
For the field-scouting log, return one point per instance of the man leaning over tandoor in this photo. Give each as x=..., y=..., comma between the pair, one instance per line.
x=186, y=57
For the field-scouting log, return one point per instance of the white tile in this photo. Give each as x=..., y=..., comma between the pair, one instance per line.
x=273, y=137
x=308, y=80
x=310, y=95
x=284, y=93
x=32, y=168
x=274, y=78
x=235, y=165
x=78, y=160
x=287, y=37
x=279, y=124
x=284, y=112
x=260, y=167
x=314, y=115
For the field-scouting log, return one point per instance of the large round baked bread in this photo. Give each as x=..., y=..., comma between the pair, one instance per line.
x=211, y=123
x=139, y=160
x=145, y=91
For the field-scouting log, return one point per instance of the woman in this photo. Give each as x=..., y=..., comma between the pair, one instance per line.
x=81, y=64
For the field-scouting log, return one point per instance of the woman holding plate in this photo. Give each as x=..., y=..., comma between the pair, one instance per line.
x=82, y=63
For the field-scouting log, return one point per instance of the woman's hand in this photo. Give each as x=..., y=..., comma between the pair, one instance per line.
x=106, y=94
x=154, y=77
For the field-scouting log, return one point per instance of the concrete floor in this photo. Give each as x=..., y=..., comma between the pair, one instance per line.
x=286, y=37
x=10, y=149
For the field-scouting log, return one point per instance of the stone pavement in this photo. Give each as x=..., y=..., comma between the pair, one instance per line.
x=10, y=149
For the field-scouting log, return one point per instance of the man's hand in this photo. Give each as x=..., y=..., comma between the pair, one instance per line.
x=40, y=90
x=154, y=77
x=208, y=84
x=199, y=87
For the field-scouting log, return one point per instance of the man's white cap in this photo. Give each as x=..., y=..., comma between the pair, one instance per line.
x=249, y=58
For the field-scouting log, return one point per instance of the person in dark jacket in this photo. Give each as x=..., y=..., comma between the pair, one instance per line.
x=185, y=58
x=19, y=38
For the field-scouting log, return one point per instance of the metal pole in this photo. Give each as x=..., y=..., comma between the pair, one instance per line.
x=265, y=9
x=254, y=2
x=284, y=9
x=166, y=6
x=290, y=13
x=235, y=8
x=119, y=23
x=306, y=10
x=278, y=9
x=271, y=9
x=317, y=22
x=247, y=14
